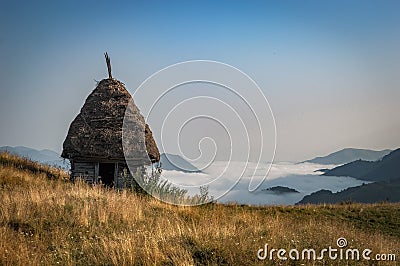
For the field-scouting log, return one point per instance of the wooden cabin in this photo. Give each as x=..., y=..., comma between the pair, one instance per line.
x=109, y=141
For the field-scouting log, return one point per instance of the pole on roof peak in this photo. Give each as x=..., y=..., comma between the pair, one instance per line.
x=108, y=65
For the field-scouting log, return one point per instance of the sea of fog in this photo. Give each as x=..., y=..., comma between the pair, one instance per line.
x=229, y=181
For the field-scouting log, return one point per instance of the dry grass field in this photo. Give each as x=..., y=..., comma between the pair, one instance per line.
x=46, y=220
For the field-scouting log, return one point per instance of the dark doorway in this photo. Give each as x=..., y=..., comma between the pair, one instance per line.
x=106, y=171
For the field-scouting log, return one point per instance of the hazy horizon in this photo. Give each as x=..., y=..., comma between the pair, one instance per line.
x=328, y=69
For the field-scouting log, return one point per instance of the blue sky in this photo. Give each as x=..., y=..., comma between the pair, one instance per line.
x=329, y=68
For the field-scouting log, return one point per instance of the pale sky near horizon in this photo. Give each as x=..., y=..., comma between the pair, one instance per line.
x=329, y=69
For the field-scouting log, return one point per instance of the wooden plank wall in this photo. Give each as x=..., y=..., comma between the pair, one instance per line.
x=124, y=178
x=84, y=170
x=89, y=172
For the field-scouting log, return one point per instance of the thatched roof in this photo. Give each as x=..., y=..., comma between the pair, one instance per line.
x=97, y=131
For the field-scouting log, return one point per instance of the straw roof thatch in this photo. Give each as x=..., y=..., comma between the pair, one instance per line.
x=108, y=121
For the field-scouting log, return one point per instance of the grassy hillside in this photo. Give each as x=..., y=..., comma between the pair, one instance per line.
x=46, y=220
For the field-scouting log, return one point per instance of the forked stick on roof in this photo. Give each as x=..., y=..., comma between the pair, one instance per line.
x=108, y=65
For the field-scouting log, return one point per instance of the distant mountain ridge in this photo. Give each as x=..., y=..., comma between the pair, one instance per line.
x=349, y=155
x=386, y=169
x=385, y=174
x=45, y=156
x=177, y=163
x=367, y=193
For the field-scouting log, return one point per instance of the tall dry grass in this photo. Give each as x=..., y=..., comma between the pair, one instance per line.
x=53, y=222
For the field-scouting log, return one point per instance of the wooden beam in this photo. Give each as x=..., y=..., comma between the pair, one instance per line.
x=116, y=174
x=96, y=172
